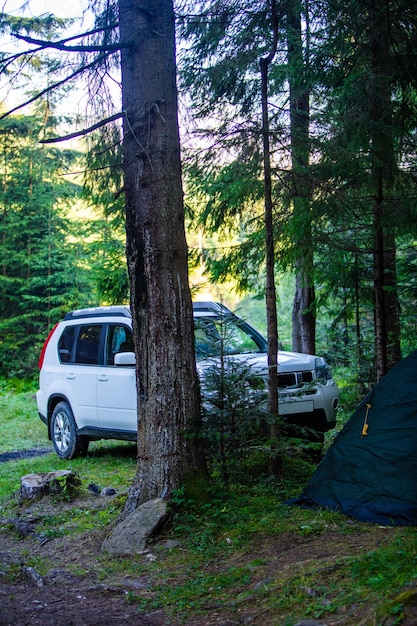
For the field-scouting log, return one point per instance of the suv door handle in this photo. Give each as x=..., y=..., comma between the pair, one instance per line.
x=103, y=378
x=71, y=376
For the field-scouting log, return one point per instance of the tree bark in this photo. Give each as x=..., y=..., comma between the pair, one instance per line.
x=271, y=303
x=392, y=306
x=303, y=314
x=169, y=449
x=387, y=326
x=303, y=317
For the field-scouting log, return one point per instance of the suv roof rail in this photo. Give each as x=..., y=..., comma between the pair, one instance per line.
x=211, y=307
x=123, y=310
x=99, y=311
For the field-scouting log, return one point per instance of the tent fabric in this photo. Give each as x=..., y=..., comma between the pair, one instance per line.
x=373, y=477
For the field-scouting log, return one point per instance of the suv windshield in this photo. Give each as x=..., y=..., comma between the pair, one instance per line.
x=214, y=336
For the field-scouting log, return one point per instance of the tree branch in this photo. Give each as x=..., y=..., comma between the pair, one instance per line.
x=43, y=44
x=60, y=45
x=85, y=131
x=79, y=71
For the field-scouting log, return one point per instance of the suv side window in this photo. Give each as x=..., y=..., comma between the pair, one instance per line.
x=66, y=345
x=87, y=346
x=119, y=339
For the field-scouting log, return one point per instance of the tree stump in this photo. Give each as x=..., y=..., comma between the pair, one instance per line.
x=62, y=483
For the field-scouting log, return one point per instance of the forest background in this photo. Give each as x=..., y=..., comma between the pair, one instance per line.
x=342, y=132
x=343, y=117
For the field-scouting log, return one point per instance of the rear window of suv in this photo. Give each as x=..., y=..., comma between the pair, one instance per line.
x=66, y=344
x=80, y=344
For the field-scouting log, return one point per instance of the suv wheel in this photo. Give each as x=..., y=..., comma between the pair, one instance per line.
x=67, y=442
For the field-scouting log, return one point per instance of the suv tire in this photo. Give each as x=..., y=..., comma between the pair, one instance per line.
x=67, y=442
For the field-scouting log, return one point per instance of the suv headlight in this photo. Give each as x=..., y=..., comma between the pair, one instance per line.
x=323, y=372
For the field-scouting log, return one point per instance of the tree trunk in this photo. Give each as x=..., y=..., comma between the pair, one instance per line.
x=392, y=307
x=387, y=326
x=169, y=448
x=271, y=303
x=379, y=310
x=387, y=318
x=303, y=317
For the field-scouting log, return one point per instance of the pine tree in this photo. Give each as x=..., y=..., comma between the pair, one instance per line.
x=41, y=277
x=370, y=120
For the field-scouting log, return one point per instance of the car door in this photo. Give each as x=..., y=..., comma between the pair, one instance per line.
x=116, y=385
x=79, y=350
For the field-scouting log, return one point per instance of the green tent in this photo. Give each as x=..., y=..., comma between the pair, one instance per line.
x=370, y=470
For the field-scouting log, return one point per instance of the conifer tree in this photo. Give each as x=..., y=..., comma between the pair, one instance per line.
x=141, y=35
x=371, y=120
x=40, y=274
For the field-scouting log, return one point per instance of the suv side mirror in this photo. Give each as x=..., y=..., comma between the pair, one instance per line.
x=125, y=358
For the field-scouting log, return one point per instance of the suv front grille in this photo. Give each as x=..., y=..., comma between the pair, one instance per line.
x=294, y=379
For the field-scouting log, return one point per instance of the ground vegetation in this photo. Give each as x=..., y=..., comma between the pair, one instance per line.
x=246, y=557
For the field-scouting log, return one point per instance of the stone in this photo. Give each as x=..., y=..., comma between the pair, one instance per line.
x=108, y=491
x=34, y=576
x=129, y=537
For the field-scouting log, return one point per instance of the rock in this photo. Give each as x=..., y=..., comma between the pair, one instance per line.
x=130, y=536
x=24, y=527
x=108, y=491
x=261, y=584
x=311, y=592
x=36, y=486
x=34, y=576
x=135, y=583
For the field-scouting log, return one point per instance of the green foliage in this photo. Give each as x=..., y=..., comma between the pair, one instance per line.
x=243, y=551
x=22, y=429
x=20, y=425
x=45, y=25
x=219, y=36
x=236, y=423
x=52, y=259
x=42, y=265
x=103, y=188
x=379, y=565
x=362, y=125
x=235, y=419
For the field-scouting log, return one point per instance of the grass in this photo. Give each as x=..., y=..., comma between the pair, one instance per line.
x=21, y=427
x=245, y=553
x=109, y=463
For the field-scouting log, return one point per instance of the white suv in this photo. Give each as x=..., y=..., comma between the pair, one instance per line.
x=87, y=387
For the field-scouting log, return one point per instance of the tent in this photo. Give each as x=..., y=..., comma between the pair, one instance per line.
x=370, y=470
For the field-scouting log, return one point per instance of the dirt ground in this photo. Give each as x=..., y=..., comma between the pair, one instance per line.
x=62, y=598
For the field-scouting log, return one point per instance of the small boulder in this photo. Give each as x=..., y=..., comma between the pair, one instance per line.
x=130, y=536
x=34, y=576
x=94, y=488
